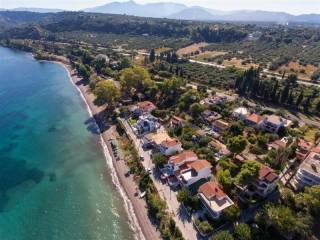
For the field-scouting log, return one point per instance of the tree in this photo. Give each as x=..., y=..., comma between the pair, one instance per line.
x=242, y=231
x=300, y=99
x=188, y=98
x=248, y=173
x=196, y=109
x=231, y=213
x=223, y=235
x=183, y=195
x=237, y=144
x=309, y=200
x=107, y=92
x=135, y=78
x=285, y=221
x=152, y=56
x=225, y=179
x=83, y=70
x=159, y=159
x=315, y=76
x=236, y=128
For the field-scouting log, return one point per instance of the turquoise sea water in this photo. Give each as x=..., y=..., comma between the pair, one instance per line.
x=54, y=183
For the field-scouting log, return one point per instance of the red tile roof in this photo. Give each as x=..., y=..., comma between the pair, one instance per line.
x=211, y=189
x=181, y=157
x=254, y=118
x=169, y=143
x=177, y=120
x=267, y=174
x=199, y=165
x=146, y=106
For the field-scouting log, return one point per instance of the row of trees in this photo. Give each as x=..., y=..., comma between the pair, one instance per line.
x=287, y=92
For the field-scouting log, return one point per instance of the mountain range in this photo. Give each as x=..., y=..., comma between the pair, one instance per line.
x=180, y=11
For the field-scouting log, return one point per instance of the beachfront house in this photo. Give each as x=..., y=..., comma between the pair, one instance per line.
x=176, y=161
x=191, y=172
x=141, y=108
x=213, y=198
x=170, y=147
x=146, y=124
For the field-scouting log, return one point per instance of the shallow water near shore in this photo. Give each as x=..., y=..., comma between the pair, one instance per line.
x=54, y=182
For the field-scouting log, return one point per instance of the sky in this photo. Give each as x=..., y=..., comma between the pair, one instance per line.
x=290, y=6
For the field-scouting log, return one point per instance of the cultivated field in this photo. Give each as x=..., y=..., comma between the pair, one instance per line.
x=303, y=72
x=191, y=49
x=239, y=63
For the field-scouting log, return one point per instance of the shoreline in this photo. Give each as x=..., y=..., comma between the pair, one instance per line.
x=135, y=207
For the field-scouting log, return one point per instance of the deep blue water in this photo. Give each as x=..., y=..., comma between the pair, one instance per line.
x=54, y=183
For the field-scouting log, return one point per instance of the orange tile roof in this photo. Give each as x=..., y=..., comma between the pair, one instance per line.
x=146, y=106
x=169, y=143
x=199, y=165
x=267, y=174
x=211, y=189
x=179, y=158
x=254, y=118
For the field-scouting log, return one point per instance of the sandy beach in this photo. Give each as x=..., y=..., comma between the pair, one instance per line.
x=136, y=207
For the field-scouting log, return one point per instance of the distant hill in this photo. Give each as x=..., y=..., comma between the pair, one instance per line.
x=192, y=13
x=160, y=10
x=180, y=11
x=37, y=10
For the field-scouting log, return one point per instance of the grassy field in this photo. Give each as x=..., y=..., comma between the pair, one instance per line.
x=238, y=63
x=191, y=49
x=208, y=56
x=303, y=72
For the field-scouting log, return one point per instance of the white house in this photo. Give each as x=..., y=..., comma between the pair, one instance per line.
x=190, y=173
x=267, y=181
x=142, y=108
x=240, y=113
x=146, y=124
x=308, y=173
x=176, y=161
x=214, y=199
x=170, y=147
x=273, y=123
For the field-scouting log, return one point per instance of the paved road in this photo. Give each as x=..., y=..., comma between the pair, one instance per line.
x=180, y=216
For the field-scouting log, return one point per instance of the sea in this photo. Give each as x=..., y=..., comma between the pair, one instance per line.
x=55, y=183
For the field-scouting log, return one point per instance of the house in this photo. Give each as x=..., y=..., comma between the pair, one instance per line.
x=170, y=147
x=240, y=113
x=273, y=123
x=146, y=124
x=308, y=173
x=213, y=198
x=142, y=108
x=102, y=57
x=220, y=126
x=176, y=161
x=176, y=122
x=215, y=100
x=303, y=149
x=253, y=120
x=222, y=148
x=191, y=172
x=210, y=116
x=266, y=182
x=280, y=143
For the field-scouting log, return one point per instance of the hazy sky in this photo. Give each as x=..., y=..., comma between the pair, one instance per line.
x=291, y=6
